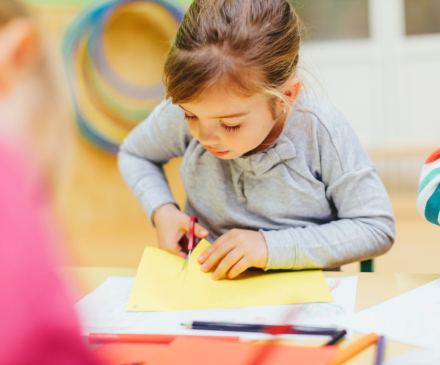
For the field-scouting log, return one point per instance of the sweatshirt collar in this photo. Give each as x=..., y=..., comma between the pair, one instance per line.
x=283, y=149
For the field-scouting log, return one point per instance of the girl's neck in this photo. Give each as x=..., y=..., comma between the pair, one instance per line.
x=273, y=135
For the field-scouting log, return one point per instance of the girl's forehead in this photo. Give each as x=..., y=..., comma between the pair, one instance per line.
x=218, y=101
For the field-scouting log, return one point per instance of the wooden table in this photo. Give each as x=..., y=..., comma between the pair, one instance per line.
x=372, y=289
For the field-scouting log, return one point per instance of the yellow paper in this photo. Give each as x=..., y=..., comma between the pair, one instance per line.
x=161, y=286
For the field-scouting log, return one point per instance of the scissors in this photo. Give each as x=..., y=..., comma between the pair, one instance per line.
x=191, y=239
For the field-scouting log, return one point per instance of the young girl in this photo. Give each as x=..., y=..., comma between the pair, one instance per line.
x=277, y=178
x=38, y=323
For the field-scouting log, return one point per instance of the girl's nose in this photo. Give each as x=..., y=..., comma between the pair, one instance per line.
x=207, y=136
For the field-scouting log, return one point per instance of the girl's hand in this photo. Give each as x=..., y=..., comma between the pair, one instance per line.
x=234, y=252
x=171, y=227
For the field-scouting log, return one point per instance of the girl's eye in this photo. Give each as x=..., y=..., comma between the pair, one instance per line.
x=190, y=117
x=230, y=128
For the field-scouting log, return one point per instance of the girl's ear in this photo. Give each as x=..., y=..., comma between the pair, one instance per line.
x=291, y=92
x=19, y=51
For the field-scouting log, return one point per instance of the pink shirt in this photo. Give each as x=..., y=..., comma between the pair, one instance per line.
x=37, y=320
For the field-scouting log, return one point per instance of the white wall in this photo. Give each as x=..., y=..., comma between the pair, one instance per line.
x=388, y=85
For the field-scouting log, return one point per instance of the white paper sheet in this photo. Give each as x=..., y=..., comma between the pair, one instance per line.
x=412, y=318
x=416, y=357
x=103, y=311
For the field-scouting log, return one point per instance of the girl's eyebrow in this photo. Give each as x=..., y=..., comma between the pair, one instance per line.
x=232, y=115
x=223, y=117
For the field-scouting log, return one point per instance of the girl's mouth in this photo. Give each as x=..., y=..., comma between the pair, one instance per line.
x=216, y=152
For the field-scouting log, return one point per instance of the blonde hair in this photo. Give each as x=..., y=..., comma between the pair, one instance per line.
x=47, y=129
x=10, y=9
x=249, y=46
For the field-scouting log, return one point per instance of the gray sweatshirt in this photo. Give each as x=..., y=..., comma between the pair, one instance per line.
x=314, y=194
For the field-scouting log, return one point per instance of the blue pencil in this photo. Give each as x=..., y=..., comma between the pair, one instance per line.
x=380, y=350
x=245, y=327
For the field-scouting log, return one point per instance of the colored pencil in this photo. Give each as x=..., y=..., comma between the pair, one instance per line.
x=122, y=337
x=274, y=330
x=336, y=338
x=354, y=348
x=380, y=350
x=260, y=356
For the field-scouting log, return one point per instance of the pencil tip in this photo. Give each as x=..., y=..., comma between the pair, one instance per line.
x=187, y=325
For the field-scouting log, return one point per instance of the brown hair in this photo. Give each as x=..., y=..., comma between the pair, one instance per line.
x=249, y=45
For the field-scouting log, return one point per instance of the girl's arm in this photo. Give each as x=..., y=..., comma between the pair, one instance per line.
x=365, y=228
x=364, y=225
x=428, y=198
x=162, y=136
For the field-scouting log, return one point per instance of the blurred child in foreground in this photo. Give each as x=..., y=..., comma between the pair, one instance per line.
x=37, y=320
x=428, y=198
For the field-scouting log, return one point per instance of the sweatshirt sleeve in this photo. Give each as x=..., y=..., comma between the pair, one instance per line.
x=164, y=135
x=428, y=197
x=364, y=222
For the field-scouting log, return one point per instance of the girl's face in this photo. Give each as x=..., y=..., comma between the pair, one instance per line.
x=20, y=83
x=32, y=109
x=229, y=126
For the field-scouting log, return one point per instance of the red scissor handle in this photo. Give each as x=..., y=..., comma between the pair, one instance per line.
x=191, y=238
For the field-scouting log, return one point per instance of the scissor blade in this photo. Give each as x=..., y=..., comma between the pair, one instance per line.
x=186, y=261
x=184, y=264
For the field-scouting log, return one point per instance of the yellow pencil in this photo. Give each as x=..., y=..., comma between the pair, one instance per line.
x=354, y=348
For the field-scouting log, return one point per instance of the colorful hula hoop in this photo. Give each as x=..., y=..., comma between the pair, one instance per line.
x=107, y=106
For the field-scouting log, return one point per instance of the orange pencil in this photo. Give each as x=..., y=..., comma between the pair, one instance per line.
x=122, y=337
x=354, y=348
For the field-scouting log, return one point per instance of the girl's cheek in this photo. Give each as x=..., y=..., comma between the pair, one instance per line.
x=193, y=129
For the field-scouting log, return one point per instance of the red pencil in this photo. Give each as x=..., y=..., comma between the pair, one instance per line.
x=122, y=337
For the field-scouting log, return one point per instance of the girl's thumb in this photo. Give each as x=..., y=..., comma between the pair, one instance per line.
x=200, y=232
x=176, y=249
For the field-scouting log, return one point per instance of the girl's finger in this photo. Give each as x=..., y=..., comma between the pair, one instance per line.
x=181, y=251
x=238, y=268
x=202, y=258
x=229, y=261
x=200, y=232
x=217, y=255
x=176, y=250
x=172, y=244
